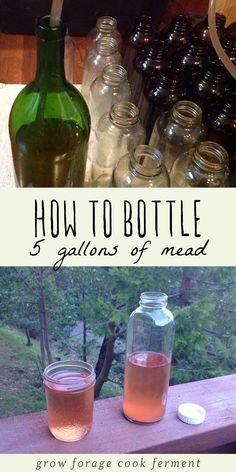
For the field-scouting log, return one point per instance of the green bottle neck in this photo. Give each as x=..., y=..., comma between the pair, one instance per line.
x=50, y=62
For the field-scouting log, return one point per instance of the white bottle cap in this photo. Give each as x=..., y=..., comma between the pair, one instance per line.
x=191, y=413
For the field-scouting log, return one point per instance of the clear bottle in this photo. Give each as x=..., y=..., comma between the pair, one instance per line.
x=106, y=26
x=176, y=35
x=150, y=339
x=143, y=167
x=201, y=30
x=160, y=94
x=118, y=132
x=49, y=122
x=111, y=87
x=206, y=165
x=147, y=64
x=177, y=131
x=141, y=36
x=104, y=52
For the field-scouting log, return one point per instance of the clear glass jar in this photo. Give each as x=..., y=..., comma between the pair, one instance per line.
x=104, y=52
x=118, y=132
x=106, y=26
x=177, y=131
x=111, y=87
x=206, y=165
x=69, y=388
x=141, y=168
x=150, y=339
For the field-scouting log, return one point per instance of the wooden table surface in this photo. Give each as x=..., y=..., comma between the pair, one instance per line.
x=18, y=58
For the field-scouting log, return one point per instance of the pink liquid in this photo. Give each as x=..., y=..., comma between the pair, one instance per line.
x=145, y=387
x=70, y=405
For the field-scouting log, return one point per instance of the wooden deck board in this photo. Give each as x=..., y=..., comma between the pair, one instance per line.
x=112, y=433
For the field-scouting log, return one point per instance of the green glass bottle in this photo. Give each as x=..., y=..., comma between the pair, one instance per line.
x=49, y=122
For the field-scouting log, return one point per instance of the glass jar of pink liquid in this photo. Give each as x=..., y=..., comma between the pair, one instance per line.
x=69, y=388
x=150, y=339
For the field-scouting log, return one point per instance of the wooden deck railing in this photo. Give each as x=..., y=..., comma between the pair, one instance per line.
x=112, y=433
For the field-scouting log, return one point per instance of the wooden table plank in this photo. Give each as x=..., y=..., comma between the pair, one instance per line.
x=18, y=58
x=112, y=433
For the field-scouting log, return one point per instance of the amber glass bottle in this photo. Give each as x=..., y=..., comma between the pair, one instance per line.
x=202, y=30
x=221, y=127
x=208, y=88
x=141, y=36
x=160, y=95
x=147, y=64
x=192, y=59
x=176, y=35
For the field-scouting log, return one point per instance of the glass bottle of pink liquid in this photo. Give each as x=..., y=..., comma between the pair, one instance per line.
x=150, y=339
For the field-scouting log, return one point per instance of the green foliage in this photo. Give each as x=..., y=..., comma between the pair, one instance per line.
x=202, y=299
x=21, y=385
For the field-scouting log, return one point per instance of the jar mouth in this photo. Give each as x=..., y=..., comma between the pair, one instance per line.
x=187, y=113
x=114, y=74
x=46, y=31
x=153, y=299
x=124, y=113
x=63, y=373
x=106, y=24
x=210, y=156
x=147, y=160
x=106, y=45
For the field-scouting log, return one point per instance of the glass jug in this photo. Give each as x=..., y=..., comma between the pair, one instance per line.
x=150, y=339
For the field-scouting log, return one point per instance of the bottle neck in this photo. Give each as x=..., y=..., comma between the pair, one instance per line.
x=214, y=74
x=144, y=24
x=50, y=52
x=170, y=79
x=50, y=61
x=106, y=46
x=181, y=24
x=229, y=108
x=229, y=43
x=153, y=299
x=124, y=114
x=114, y=75
x=197, y=47
x=106, y=24
x=146, y=161
x=186, y=114
x=210, y=157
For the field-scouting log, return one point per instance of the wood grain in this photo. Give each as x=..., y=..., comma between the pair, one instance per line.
x=18, y=58
x=112, y=433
